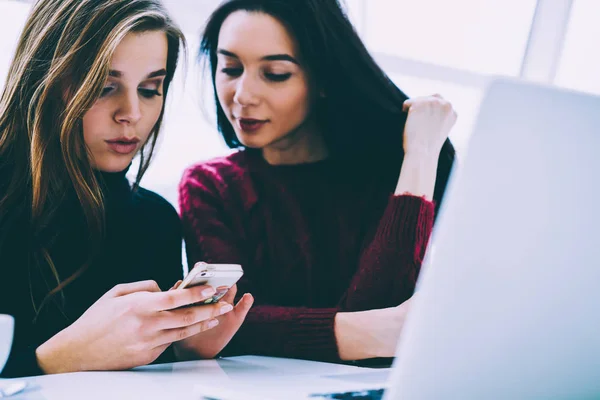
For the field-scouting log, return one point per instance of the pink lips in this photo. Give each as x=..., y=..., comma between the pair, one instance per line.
x=123, y=145
x=250, y=125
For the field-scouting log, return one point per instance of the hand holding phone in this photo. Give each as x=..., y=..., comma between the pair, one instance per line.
x=220, y=276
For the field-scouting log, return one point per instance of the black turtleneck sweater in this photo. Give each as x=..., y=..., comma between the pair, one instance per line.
x=142, y=241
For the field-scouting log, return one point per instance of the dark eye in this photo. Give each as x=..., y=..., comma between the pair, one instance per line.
x=278, y=77
x=106, y=91
x=232, y=71
x=149, y=93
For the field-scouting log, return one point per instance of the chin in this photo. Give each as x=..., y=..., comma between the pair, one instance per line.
x=114, y=164
x=252, y=141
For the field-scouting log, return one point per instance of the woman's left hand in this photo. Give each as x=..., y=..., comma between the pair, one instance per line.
x=210, y=343
x=428, y=124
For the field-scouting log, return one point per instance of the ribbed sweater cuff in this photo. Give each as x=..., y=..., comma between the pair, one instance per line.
x=22, y=362
x=313, y=335
x=407, y=221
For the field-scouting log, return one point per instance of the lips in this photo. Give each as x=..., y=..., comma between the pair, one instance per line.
x=123, y=145
x=250, y=124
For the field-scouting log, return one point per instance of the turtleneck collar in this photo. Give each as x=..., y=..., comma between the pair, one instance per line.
x=115, y=186
x=111, y=179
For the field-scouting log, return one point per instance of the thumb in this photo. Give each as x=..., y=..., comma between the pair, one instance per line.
x=243, y=306
x=230, y=295
x=129, y=288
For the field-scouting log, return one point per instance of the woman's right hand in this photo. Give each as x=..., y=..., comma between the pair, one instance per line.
x=130, y=326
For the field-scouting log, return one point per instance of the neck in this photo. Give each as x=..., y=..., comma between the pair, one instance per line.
x=303, y=145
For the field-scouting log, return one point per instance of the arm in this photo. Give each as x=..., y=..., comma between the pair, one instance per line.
x=134, y=324
x=390, y=263
x=372, y=333
x=268, y=329
x=130, y=326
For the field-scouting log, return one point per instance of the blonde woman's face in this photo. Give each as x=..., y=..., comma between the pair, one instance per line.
x=121, y=120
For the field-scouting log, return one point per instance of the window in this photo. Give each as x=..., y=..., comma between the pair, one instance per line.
x=579, y=67
x=484, y=36
x=424, y=51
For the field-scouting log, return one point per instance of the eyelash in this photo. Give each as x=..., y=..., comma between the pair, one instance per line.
x=106, y=91
x=235, y=72
x=278, y=77
x=147, y=93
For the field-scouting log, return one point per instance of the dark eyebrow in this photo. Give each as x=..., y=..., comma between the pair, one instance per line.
x=281, y=57
x=272, y=57
x=160, y=72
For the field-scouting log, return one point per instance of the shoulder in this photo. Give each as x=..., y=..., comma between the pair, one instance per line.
x=226, y=178
x=217, y=172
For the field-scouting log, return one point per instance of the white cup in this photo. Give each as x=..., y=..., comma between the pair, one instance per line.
x=7, y=324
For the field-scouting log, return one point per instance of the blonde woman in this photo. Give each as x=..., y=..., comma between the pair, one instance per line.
x=84, y=254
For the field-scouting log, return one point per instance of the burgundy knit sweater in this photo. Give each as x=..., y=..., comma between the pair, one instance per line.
x=313, y=240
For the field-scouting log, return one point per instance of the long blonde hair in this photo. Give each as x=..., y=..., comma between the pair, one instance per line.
x=58, y=72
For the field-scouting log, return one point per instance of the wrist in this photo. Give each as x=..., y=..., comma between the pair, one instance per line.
x=183, y=352
x=353, y=335
x=56, y=356
x=421, y=159
x=418, y=175
x=424, y=151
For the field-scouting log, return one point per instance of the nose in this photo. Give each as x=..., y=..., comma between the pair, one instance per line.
x=246, y=92
x=128, y=111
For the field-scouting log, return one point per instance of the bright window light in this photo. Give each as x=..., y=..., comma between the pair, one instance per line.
x=484, y=36
x=580, y=61
x=15, y=13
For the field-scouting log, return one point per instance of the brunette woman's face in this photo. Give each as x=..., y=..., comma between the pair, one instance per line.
x=260, y=82
x=121, y=120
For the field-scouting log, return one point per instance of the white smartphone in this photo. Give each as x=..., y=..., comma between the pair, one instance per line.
x=220, y=276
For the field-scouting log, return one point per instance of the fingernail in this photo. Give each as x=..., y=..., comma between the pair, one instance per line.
x=226, y=308
x=208, y=292
x=212, y=323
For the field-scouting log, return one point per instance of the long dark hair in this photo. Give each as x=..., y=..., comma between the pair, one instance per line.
x=66, y=47
x=361, y=111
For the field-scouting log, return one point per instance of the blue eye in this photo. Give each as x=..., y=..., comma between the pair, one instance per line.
x=149, y=93
x=232, y=71
x=278, y=77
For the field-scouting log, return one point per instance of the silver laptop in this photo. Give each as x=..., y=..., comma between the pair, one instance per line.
x=509, y=307
x=508, y=304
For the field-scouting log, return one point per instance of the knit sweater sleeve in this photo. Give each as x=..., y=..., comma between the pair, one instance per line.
x=21, y=362
x=390, y=263
x=268, y=329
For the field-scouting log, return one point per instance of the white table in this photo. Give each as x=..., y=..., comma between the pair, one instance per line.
x=254, y=377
